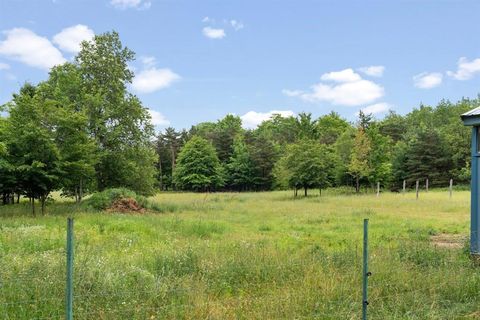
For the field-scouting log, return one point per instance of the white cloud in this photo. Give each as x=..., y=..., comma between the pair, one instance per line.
x=377, y=108
x=153, y=79
x=350, y=90
x=206, y=19
x=214, y=33
x=347, y=75
x=466, y=69
x=373, y=71
x=252, y=119
x=25, y=46
x=69, y=39
x=4, y=66
x=158, y=119
x=237, y=25
x=427, y=80
x=148, y=61
x=292, y=93
x=126, y=4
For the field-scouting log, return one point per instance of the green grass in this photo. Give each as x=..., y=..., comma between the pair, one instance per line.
x=243, y=256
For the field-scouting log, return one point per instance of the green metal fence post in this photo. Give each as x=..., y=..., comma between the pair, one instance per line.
x=69, y=287
x=366, y=273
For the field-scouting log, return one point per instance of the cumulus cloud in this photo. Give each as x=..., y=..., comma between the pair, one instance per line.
x=213, y=33
x=153, y=79
x=372, y=71
x=347, y=75
x=466, y=69
x=158, y=119
x=252, y=119
x=126, y=4
x=26, y=46
x=69, y=39
x=4, y=66
x=349, y=89
x=427, y=80
x=377, y=108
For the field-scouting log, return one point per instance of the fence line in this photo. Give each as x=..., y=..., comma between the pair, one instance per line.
x=82, y=298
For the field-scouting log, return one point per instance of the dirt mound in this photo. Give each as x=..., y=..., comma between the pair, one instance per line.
x=126, y=205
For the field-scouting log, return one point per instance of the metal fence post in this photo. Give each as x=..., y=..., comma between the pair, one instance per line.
x=69, y=285
x=366, y=273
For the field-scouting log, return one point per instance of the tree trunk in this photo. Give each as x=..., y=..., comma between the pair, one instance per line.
x=80, y=191
x=18, y=198
x=305, y=188
x=357, y=184
x=32, y=200
x=160, y=177
x=173, y=165
x=42, y=202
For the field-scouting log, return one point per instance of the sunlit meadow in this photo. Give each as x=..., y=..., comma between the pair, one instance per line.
x=245, y=256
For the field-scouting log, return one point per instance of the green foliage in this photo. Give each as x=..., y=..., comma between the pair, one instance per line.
x=306, y=127
x=307, y=164
x=104, y=199
x=359, y=166
x=221, y=134
x=427, y=156
x=167, y=148
x=280, y=130
x=240, y=168
x=330, y=127
x=117, y=119
x=198, y=167
x=264, y=154
x=380, y=155
x=31, y=146
x=76, y=146
x=79, y=130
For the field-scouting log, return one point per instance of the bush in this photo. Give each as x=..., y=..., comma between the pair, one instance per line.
x=104, y=200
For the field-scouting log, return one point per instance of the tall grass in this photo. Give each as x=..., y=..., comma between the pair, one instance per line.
x=243, y=256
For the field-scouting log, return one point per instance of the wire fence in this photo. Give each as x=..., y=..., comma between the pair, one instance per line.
x=37, y=294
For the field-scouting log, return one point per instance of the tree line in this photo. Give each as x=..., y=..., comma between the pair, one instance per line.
x=301, y=152
x=81, y=130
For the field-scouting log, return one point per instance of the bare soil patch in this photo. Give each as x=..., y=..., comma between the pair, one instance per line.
x=126, y=205
x=449, y=241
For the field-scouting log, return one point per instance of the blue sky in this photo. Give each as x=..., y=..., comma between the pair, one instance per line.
x=200, y=60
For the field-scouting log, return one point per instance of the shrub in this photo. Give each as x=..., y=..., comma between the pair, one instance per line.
x=104, y=199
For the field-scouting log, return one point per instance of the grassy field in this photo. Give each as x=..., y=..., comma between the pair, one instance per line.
x=245, y=256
